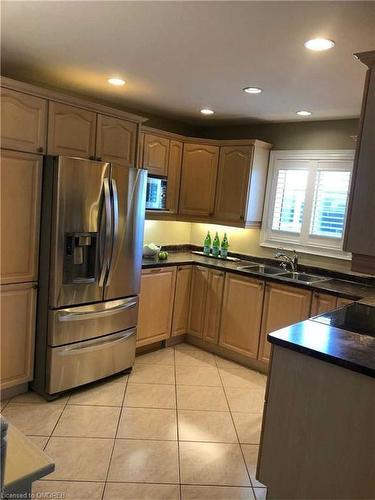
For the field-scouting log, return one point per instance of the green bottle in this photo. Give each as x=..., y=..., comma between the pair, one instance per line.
x=216, y=246
x=207, y=244
x=224, y=247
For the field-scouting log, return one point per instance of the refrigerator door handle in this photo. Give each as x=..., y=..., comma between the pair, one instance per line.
x=115, y=230
x=93, y=345
x=108, y=232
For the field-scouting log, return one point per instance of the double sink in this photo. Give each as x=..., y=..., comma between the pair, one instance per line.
x=276, y=271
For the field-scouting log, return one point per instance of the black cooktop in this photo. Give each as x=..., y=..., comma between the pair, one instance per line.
x=358, y=318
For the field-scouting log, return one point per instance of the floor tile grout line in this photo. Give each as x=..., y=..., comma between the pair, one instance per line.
x=58, y=420
x=115, y=436
x=178, y=429
x=238, y=438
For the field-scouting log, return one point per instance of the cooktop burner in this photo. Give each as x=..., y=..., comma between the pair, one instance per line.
x=358, y=318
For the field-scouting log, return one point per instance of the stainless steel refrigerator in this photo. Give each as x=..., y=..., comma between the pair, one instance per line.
x=89, y=271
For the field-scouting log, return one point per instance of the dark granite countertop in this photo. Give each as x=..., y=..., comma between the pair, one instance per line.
x=350, y=350
x=343, y=288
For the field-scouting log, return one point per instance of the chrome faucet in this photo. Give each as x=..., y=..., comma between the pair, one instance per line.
x=285, y=259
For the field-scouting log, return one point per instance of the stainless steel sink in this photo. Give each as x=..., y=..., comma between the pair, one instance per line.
x=303, y=277
x=261, y=268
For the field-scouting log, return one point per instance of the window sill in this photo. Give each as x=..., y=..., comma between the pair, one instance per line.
x=319, y=252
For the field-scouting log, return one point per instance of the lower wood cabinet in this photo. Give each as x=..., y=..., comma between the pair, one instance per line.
x=322, y=302
x=341, y=302
x=18, y=304
x=156, y=305
x=212, y=313
x=283, y=306
x=181, y=300
x=241, y=314
x=198, y=297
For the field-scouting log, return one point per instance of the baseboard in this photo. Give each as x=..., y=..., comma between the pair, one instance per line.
x=14, y=391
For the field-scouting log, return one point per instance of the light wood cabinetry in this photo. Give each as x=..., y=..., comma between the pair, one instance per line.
x=174, y=175
x=322, y=302
x=141, y=139
x=18, y=304
x=198, y=180
x=198, y=297
x=241, y=314
x=283, y=306
x=181, y=300
x=20, y=210
x=155, y=305
x=116, y=140
x=341, y=302
x=155, y=154
x=214, y=299
x=71, y=130
x=23, y=122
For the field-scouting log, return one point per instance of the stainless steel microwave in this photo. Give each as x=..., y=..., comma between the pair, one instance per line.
x=156, y=194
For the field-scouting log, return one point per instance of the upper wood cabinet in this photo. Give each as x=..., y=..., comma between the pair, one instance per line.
x=283, y=306
x=241, y=184
x=71, y=131
x=141, y=138
x=214, y=298
x=174, y=175
x=116, y=140
x=18, y=303
x=155, y=154
x=23, y=122
x=21, y=175
x=155, y=305
x=198, y=300
x=181, y=300
x=241, y=314
x=322, y=302
x=198, y=181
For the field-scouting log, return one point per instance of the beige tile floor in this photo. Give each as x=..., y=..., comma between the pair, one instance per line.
x=184, y=425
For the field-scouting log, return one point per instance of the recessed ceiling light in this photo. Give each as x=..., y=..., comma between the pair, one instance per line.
x=116, y=81
x=304, y=113
x=207, y=111
x=319, y=44
x=252, y=90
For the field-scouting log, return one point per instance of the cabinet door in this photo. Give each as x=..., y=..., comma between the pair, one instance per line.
x=341, y=302
x=232, y=183
x=322, y=302
x=141, y=139
x=198, y=181
x=71, y=131
x=17, y=333
x=116, y=140
x=283, y=306
x=241, y=314
x=174, y=175
x=215, y=287
x=23, y=122
x=181, y=300
x=155, y=305
x=198, y=297
x=155, y=154
x=20, y=211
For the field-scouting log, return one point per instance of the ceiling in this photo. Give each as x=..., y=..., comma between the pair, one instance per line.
x=178, y=57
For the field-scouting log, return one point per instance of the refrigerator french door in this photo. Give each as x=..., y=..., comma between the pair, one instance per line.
x=90, y=265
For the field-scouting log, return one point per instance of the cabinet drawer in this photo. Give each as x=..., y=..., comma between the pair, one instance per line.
x=84, y=362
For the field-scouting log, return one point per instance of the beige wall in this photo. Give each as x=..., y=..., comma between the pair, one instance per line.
x=167, y=233
x=245, y=241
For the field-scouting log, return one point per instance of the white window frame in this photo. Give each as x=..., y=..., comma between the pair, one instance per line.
x=303, y=241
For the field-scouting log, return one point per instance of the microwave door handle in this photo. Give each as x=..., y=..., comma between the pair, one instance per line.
x=115, y=242
x=107, y=232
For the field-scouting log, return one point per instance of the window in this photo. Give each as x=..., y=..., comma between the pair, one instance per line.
x=306, y=201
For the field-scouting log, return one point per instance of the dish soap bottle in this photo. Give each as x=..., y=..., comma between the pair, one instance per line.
x=216, y=246
x=207, y=244
x=224, y=247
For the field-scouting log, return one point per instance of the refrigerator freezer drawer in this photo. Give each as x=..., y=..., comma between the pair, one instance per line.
x=74, y=324
x=77, y=364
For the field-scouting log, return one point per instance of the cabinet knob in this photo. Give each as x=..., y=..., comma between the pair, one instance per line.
x=211, y=214
x=242, y=217
x=40, y=149
x=98, y=158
